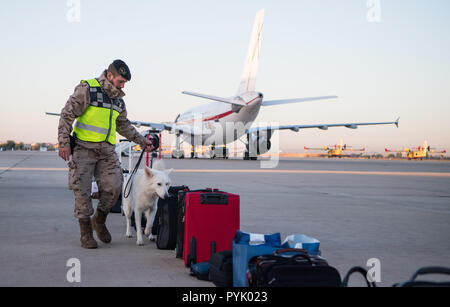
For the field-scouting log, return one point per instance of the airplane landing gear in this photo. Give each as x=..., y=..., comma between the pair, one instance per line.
x=194, y=155
x=247, y=154
x=221, y=152
x=177, y=153
x=248, y=157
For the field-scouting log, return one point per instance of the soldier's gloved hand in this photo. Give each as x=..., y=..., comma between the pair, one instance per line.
x=148, y=146
x=64, y=153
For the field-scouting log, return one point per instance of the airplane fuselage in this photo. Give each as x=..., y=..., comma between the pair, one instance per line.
x=216, y=123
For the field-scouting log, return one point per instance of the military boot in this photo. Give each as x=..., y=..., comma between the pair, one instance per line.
x=98, y=223
x=86, y=238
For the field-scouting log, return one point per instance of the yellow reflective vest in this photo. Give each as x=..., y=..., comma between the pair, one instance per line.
x=98, y=122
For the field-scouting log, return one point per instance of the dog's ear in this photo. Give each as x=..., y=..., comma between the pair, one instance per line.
x=148, y=172
x=168, y=171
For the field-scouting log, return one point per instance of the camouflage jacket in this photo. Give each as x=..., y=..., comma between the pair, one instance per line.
x=78, y=103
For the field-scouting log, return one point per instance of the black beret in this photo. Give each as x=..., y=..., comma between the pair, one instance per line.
x=122, y=69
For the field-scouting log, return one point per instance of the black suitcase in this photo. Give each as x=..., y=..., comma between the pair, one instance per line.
x=180, y=224
x=166, y=219
x=156, y=222
x=221, y=269
x=291, y=268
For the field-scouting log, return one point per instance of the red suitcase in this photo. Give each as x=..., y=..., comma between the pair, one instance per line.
x=211, y=220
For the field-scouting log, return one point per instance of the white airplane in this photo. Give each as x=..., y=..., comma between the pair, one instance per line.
x=225, y=120
x=216, y=123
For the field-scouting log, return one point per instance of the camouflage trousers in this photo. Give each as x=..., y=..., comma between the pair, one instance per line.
x=97, y=160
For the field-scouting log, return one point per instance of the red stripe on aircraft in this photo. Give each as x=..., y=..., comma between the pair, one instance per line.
x=219, y=116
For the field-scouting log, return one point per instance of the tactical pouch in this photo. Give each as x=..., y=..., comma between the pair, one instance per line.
x=72, y=142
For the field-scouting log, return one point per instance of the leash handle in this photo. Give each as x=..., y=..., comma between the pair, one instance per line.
x=136, y=167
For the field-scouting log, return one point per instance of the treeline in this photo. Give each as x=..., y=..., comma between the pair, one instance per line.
x=12, y=145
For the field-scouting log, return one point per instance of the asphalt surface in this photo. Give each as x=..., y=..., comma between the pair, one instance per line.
x=395, y=211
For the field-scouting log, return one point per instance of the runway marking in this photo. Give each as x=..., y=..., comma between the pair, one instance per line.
x=263, y=171
x=267, y=171
x=14, y=165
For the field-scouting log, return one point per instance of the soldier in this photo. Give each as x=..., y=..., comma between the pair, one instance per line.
x=99, y=110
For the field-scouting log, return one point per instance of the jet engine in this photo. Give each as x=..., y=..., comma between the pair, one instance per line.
x=259, y=142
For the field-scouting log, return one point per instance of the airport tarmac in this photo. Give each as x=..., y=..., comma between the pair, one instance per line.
x=395, y=211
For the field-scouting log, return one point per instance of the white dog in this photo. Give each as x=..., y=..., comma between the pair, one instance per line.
x=146, y=187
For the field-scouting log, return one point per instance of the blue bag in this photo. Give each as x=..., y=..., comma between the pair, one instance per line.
x=245, y=246
x=311, y=245
x=200, y=270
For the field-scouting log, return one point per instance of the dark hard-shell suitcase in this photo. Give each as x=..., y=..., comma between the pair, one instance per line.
x=291, y=268
x=117, y=208
x=180, y=224
x=221, y=269
x=210, y=219
x=166, y=219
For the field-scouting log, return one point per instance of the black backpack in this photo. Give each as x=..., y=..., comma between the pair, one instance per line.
x=291, y=268
x=221, y=269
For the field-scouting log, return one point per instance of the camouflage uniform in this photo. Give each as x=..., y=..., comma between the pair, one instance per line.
x=94, y=159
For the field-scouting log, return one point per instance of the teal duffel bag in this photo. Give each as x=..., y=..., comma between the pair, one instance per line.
x=246, y=246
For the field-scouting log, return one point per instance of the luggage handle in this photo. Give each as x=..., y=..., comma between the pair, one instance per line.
x=214, y=199
x=431, y=270
x=302, y=253
x=288, y=250
x=207, y=190
x=362, y=271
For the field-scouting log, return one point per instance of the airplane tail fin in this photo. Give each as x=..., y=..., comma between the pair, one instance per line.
x=248, y=79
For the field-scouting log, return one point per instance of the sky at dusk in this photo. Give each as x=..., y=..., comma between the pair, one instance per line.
x=397, y=65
